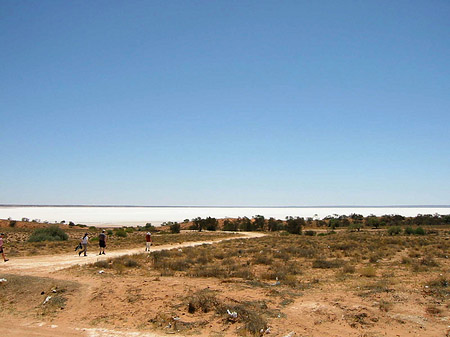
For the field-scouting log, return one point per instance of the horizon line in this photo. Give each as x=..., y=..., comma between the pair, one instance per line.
x=229, y=206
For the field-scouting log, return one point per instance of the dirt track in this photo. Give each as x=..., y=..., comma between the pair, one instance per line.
x=44, y=265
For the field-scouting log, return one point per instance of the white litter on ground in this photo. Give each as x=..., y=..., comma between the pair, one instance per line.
x=47, y=299
x=232, y=314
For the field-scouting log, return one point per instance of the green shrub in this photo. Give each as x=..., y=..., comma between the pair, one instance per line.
x=52, y=233
x=409, y=230
x=121, y=233
x=175, y=228
x=12, y=223
x=109, y=232
x=394, y=230
x=419, y=231
x=310, y=233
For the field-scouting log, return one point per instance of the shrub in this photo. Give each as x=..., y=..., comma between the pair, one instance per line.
x=409, y=230
x=121, y=233
x=175, y=228
x=130, y=263
x=368, y=271
x=102, y=264
x=419, y=231
x=394, y=230
x=109, y=232
x=310, y=233
x=12, y=223
x=52, y=233
x=203, y=300
x=326, y=264
x=348, y=269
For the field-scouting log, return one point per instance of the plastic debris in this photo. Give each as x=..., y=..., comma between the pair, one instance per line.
x=47, y=299
x=101, y=271
x=232, y=314
x=3, y=280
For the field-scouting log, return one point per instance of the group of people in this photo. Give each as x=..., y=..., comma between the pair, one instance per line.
x=102, y=237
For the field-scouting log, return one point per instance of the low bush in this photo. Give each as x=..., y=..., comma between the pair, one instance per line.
x=394, y=230
x=120, y=233
x=52, y=233
x=348, y=269
x=326, y=264
x=368, y=271
x=409, y=230
x=419, y=231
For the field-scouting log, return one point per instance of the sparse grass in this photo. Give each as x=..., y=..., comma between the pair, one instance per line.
x=279, y=267
x=368, y=271
x=28, y=294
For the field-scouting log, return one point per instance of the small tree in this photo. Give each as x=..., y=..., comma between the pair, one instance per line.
x=259, y=222
x=294, y=225
x=274, y=224
x=175, y=227
x=229, y=225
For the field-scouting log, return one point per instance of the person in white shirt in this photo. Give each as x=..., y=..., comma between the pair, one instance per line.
x=84, y=243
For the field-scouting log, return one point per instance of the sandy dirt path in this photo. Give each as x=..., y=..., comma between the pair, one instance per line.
x=46, y=264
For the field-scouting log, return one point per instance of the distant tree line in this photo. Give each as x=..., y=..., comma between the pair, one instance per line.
x=295, y=225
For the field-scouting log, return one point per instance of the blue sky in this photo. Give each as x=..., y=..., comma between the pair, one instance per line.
x=225, y=102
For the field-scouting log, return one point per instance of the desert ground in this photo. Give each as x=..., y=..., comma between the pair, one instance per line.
x=364, y=284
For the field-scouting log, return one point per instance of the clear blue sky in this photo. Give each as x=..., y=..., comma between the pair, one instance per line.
x=225, y=102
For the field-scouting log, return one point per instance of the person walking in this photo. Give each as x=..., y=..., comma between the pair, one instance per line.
x=148, y=241
x=102, y=242
x=1, y=247
x=84, y=243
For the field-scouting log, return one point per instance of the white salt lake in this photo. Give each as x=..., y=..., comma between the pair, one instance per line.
x=131, y=216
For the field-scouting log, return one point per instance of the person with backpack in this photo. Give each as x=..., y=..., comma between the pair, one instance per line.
x=1, y=248
x=102, y=242
x=84, y=243
x=148, y=241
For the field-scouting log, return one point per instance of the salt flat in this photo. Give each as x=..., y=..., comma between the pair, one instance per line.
x=128, y=216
